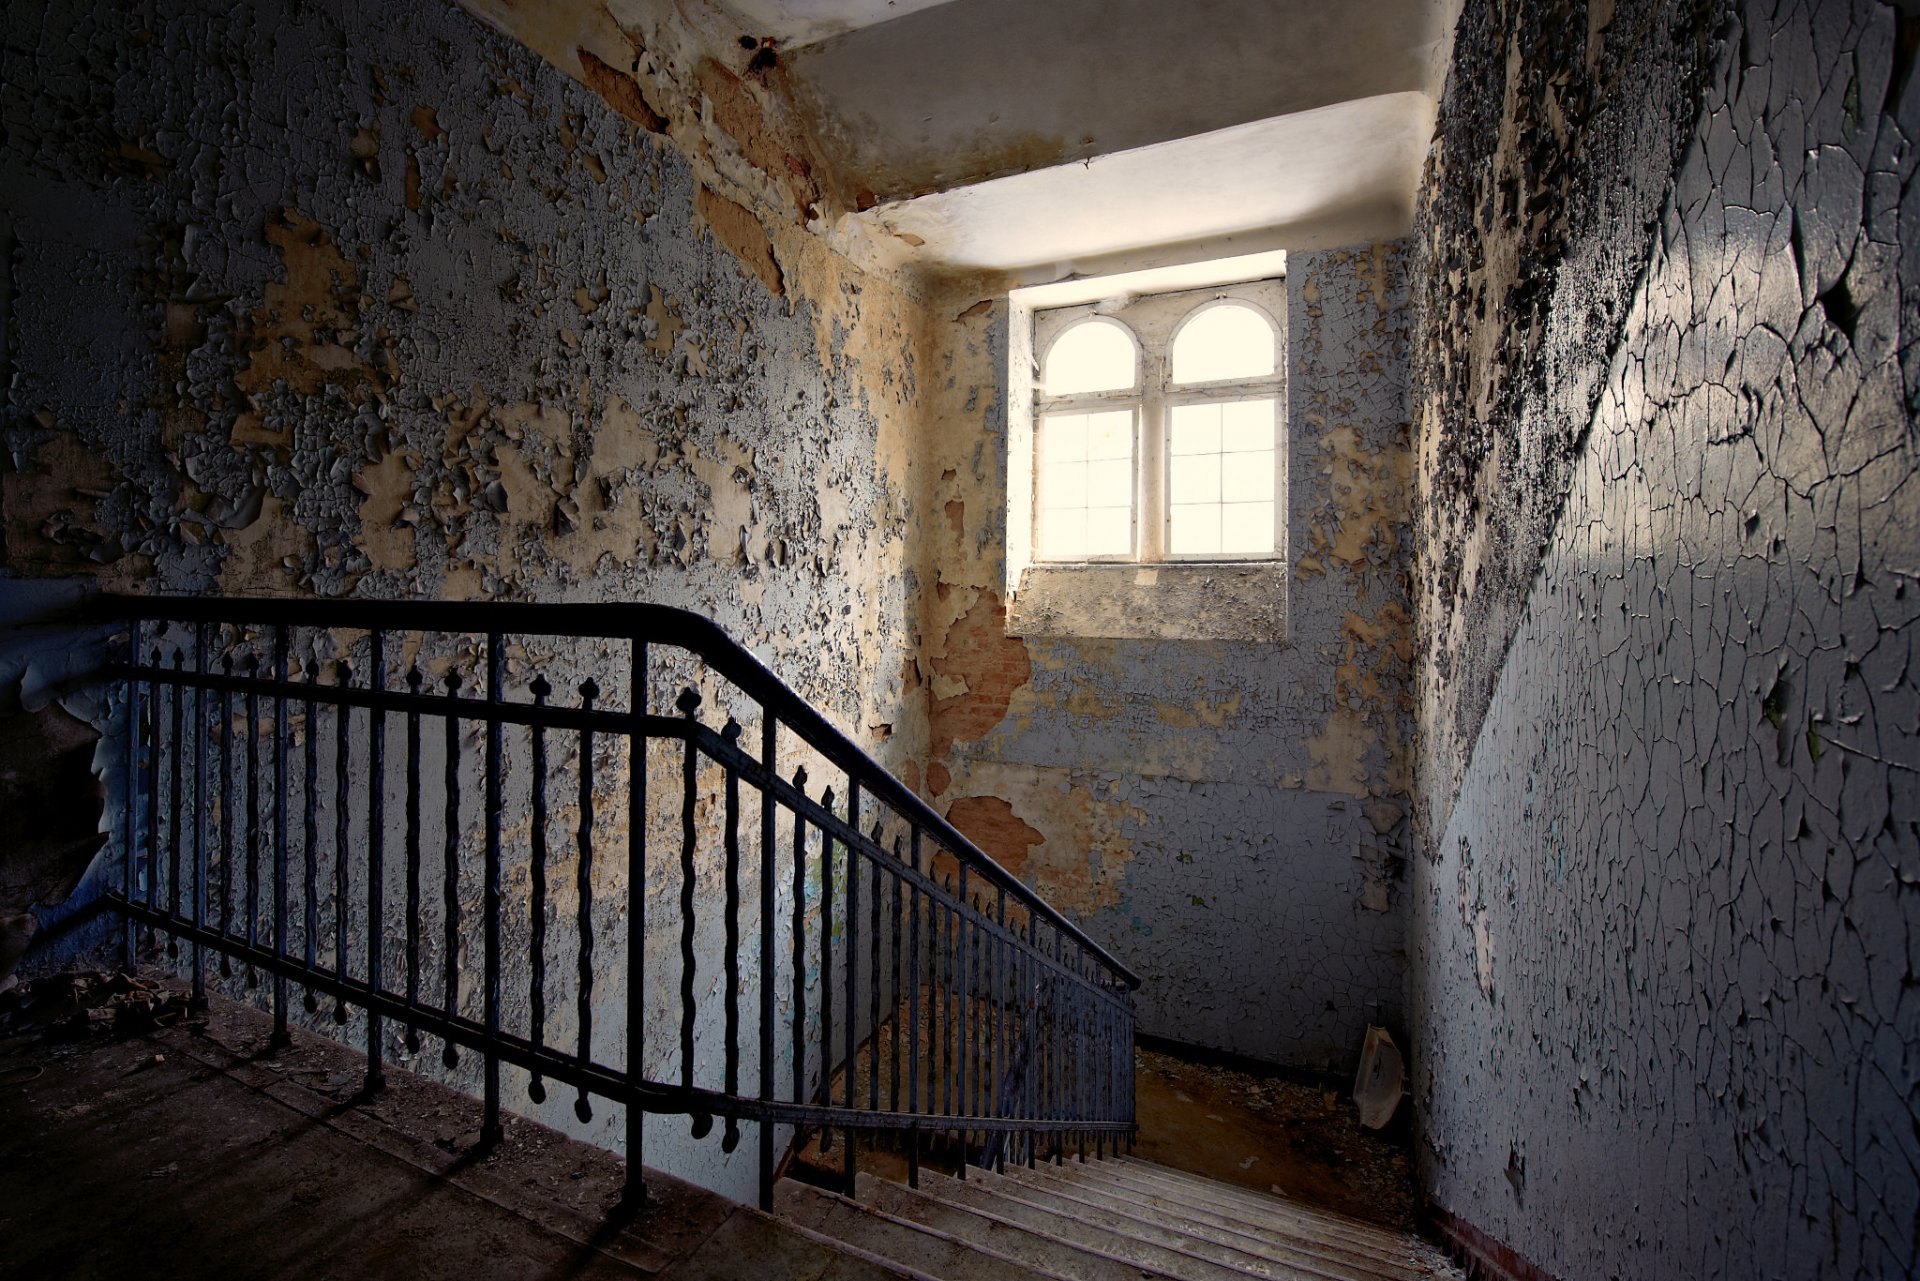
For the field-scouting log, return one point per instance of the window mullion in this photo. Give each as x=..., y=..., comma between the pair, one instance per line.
x=1152, y=440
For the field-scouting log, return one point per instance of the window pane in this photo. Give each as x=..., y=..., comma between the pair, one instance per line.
x=1196, y=429
x=1246, y=527
x=1063, y=437
x=1225, y=341
x=1246, y=477
x=1110, y=435
x=1110, y=483
x=1094, y=355
x=1109, y=531
x=1086, y=503
x=1196, y=529
x=1063, y=485
x=1196, y=480
x=1246, y=425
x=1063, y=534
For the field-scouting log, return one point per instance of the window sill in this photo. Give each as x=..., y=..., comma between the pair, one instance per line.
x=1182, y=600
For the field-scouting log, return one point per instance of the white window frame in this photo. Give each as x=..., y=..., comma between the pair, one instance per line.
x=1153, y=322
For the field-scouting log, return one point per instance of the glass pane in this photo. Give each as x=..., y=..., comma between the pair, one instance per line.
x=1246, y=477
x=1196, y=480
x=1063, y=534
x=1246, y=425
x=1109, y=531
x=1063, y=437
x=1225, y=341
x=1196, y=429
x=1094, y=355
x=1246, y=527
x=1063, y=485
x=1110, y=483
x=1196, y=529
x=1110, y=435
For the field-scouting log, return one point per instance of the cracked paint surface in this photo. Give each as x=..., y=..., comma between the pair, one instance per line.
x=1227, y=817
x=1666, y=951
x=349, y=300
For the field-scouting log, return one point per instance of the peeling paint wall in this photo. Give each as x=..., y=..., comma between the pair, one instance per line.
x=349, y=299
x=1664, y=950
x=1227, y=817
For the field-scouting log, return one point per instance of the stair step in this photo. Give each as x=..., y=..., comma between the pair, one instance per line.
x=1264, y=1210
x=1081, y=1261
x=1303, y=1251
x=1151, y=1246
x=752, y=1245
x=931, y=1251
x=1263, y=1202
x=1252, y=1208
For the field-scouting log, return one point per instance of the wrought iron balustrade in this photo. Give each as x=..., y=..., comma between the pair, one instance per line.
x=476, y=822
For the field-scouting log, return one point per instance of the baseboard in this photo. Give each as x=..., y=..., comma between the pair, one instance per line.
x=1484, y=1258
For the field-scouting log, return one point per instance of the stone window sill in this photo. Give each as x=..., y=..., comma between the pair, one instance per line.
x=1213, y=600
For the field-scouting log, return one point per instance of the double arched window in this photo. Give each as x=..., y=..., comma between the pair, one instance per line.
x=1158, y=429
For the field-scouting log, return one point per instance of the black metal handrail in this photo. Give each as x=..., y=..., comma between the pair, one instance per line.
x=944, y=931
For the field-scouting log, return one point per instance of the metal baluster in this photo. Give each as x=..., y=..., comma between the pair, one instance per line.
x=799, y=943
x=156, y=714
x=1002, y=1051
x=964, y=1012
x=281, y=1038
x=874, y=1042
x=253, y=815
x=199, y=998
x=173, y=829
x=413, y=857
x=228, y=853
x=342, y=871
x=894, y=993
x=913, y=1014
x=688, y=703
x=490, y=1129
x=636, y=1187
x=450, y=870
x=730, y=1134
x=826, y=971
x=1036, y=1041
x=944, y=955
x=853, y=978
x=130, y=800
x=376, y=854
x=582, y=1106
x=310, y=853
x=537, y=926
x=769, y=744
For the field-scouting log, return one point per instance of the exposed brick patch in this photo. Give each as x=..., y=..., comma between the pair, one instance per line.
x=993, y=665
x=990, y=823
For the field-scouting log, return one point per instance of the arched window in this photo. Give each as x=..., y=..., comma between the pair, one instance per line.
x=1158, y=428
x=1094, y=355
x=1084, y=472
x=1223, y=340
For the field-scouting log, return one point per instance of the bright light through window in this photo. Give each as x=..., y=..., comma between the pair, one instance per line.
x=1225, y=341
x=1220, y=486
x=1086, y=485
x=1159, y=428
x=1094, y=355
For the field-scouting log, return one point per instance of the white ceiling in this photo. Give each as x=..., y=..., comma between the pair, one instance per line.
x=796, y=23
x=1053, y=137
x=1333, y=175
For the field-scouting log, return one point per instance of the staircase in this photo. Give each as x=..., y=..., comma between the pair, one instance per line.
x=1116, y=1220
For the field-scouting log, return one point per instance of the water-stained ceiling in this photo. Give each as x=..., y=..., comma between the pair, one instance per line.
x=1040, y=140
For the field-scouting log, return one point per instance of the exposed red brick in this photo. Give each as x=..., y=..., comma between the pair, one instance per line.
x=993, y=665
x=990, y=823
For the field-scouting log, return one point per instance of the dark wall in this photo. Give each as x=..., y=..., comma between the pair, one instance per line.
x=1664, y=941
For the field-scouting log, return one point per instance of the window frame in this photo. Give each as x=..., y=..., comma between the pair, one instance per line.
x=1154, y=322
